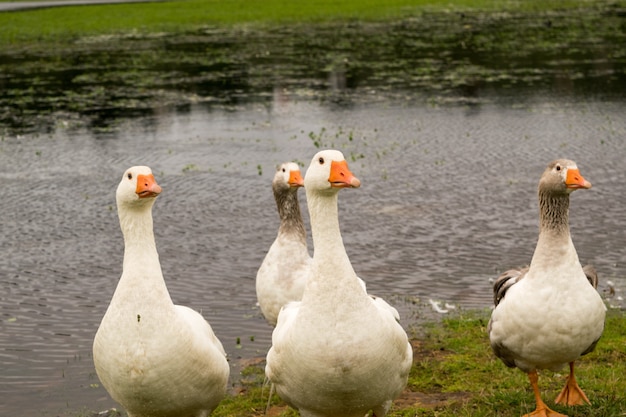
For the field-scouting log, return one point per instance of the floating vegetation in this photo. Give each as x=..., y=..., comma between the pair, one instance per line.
x=433, y=57
x=189, y=168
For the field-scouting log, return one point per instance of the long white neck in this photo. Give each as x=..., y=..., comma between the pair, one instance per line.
x=331, y=266
x=141, y=268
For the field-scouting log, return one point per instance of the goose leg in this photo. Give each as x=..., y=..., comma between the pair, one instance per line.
x=572, y=394
x=542, y=409
x=382, y=410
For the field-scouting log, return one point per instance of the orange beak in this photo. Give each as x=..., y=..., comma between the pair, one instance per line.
x=575, y=180
x=147, y=186
x=295, y=179
x=341, y=177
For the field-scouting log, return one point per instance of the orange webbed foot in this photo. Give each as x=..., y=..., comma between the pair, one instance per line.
x=572, y=394
x=542, y=409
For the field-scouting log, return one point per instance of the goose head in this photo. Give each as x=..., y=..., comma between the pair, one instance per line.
x=287, y=176
x=137, y=189
x=561, y=177
x=329, y=172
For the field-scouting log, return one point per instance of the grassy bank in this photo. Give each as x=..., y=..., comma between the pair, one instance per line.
x=455, y=374
x=66, y=23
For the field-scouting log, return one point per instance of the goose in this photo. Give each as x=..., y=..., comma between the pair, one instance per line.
x=338, y=351
x=155, y=358
x=286, y=267
x=283, y=274
x=548, y=315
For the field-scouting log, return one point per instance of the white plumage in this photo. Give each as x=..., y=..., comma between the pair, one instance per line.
x=338, y=352
x=287, y=265
x=548, y=315
x=155, y=358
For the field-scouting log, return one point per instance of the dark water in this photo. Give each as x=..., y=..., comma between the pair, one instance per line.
x=97, y=82
x=447, y=199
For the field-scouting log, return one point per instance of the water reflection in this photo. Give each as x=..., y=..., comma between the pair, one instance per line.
x=432, y=58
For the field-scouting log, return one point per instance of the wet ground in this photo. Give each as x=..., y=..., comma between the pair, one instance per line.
x=448, y=142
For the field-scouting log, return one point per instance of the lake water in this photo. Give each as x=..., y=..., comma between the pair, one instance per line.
x=448, y=200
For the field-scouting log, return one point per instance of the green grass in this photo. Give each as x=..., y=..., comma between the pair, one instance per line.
x=65, y=23
x=458, y=358
x=455, y=374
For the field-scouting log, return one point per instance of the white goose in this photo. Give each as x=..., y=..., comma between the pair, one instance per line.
x=549, y=315
x=155, y=358
x=286, y=266
x=338, y=352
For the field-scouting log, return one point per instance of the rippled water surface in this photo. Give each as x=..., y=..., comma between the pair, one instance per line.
x=447, y=201
x=448, y=145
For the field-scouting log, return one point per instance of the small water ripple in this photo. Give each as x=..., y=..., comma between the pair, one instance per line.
x=447, y=202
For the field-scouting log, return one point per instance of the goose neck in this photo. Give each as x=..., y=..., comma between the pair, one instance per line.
x=325, y=230
x=137, y=227
x=289, y=212
x=554, y=245
x=332, y=276
x=554, y=214
x=140, y=253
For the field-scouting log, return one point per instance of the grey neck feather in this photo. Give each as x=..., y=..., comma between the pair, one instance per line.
x=289, y=212
x=554, y=213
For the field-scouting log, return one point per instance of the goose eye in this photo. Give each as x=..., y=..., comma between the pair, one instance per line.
x=130, y=176
x=558, y=167
x=321, y=161
x=284, y=170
